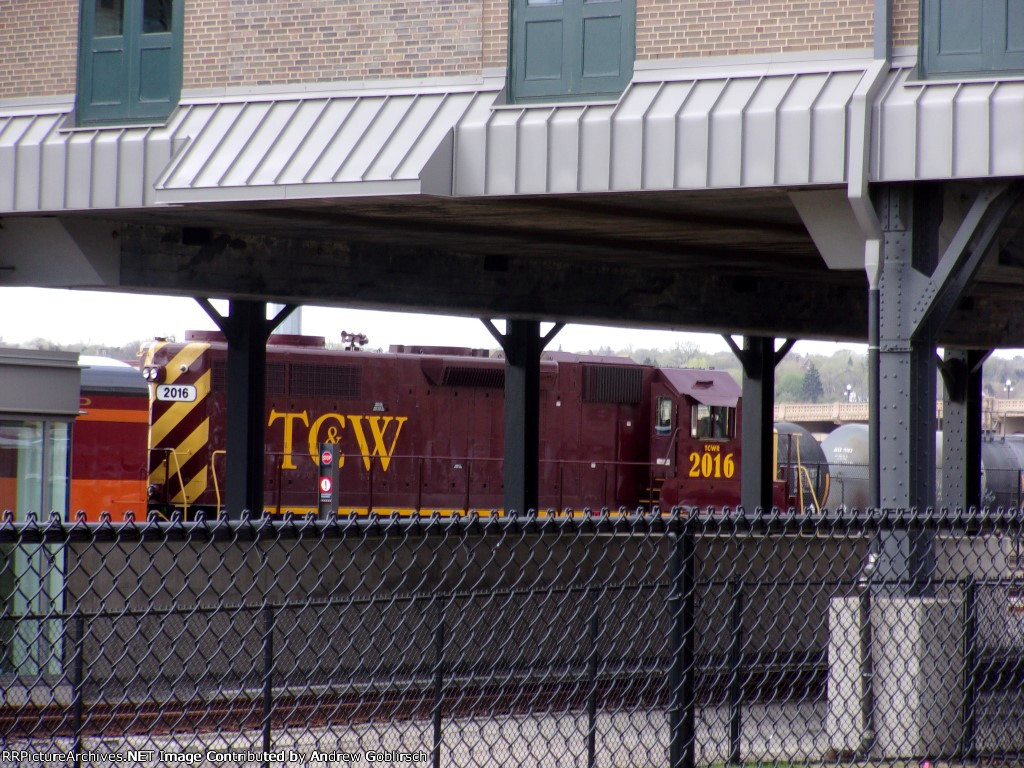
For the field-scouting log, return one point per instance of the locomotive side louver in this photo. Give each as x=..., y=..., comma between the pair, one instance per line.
x=275, y=377
x=612, y=384
x=465, y=376
x=316, y=380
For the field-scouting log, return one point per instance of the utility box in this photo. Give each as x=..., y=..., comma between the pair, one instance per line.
x=917, y=687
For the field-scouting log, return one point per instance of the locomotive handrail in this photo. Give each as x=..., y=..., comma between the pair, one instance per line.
x=805, y=473
x=671, y=448
x=216, y=484
x=177, y=471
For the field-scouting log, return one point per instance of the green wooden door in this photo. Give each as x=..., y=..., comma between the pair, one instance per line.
x=563, y=49
x=972, y=37
x=130, y=60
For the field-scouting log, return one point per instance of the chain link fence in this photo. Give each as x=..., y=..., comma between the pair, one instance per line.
x=613, y=640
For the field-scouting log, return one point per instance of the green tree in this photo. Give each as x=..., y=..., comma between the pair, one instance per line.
x=812, y=390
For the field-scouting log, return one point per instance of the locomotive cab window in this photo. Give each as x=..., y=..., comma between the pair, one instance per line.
x=712, y=422
x=663, y=416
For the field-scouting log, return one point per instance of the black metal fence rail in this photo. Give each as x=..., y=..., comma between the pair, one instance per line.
x=678, y=639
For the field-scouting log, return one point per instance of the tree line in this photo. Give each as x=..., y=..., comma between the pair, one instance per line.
x=800, y=378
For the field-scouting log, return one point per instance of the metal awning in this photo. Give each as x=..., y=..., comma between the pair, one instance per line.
x=307, y=145
x=680, y=128
x=315, y=146
x=707, y=387
x=947, y=130
x=771, y=124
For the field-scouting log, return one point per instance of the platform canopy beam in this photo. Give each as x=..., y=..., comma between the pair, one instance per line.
x=523, y=344
x=246, y=329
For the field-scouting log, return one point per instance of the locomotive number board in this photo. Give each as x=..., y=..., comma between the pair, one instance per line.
x=176, y=393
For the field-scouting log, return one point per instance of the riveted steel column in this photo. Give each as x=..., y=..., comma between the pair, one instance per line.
x=758, y=422
x=961, y=428
x=907, y=371
x=906, y=362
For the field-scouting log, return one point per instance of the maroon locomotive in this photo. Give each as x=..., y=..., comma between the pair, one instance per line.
x=420, y=428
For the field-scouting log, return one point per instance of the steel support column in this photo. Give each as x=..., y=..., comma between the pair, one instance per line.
x=906, y=364
x=523, y=346
x=961, y=427
x=246, y=330
x=759, y=359
x=918, y=291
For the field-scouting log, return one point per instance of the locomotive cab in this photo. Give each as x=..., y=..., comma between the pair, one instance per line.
x=695, y=446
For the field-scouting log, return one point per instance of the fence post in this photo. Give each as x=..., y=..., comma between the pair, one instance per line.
x=736, y=672
x=268, y=674
x=438, y=679
x=78, y=686
x=683, y=704
x=970, y=651
x=595, y=628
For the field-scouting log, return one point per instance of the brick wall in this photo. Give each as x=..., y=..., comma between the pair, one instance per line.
x=735, y=27
x=904, y=23
x=495, y=29
x=38, y=46
x=257, y=42
x=254, y=42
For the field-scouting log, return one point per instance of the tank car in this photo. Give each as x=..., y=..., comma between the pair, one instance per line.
x=846, y=450
x=801, y=458
x=421, y=428
x=109, y=466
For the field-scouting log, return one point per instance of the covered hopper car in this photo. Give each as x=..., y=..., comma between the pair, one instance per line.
x=421, y=428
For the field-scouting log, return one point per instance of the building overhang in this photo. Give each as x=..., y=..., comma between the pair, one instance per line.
x=938, y=130
x=691, y=126
x=704, y=186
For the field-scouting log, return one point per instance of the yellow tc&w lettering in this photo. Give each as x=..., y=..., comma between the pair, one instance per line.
x=328, y=428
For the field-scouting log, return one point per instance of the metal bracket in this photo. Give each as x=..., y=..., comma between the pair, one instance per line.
x=934, y=297
x=747, y=360
x=501, y=338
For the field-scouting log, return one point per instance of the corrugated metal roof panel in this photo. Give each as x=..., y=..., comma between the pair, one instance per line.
x=947, y=130
x=263, y=147
x=311, y=146
x=673, y=129
x=45, y=168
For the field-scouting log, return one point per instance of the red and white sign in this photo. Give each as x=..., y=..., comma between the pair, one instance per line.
x=325, y=458
x=325, y=485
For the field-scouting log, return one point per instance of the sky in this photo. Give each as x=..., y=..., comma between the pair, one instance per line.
x=115, y=319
